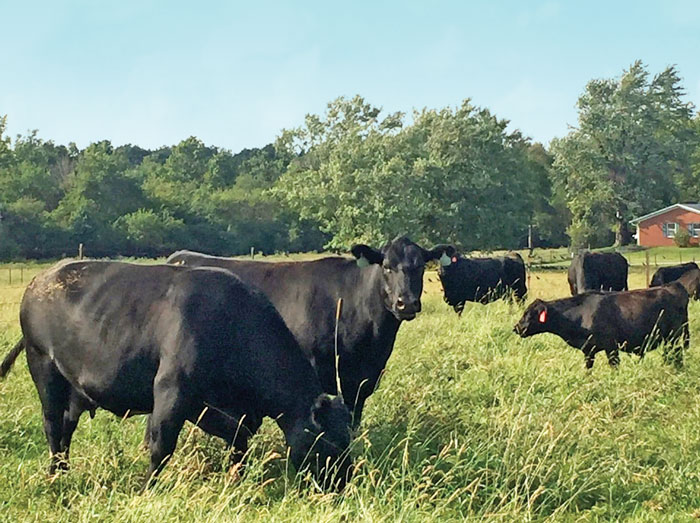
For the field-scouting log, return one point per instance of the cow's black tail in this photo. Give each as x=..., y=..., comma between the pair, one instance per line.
x=9, y=360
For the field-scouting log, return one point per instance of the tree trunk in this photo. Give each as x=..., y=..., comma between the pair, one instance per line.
x=623, y=236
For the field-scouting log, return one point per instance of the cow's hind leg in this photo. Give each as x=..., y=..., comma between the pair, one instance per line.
x=590, y=359
x=77, y=405
x=676, y=346
x=147, y=434
x=54, y=393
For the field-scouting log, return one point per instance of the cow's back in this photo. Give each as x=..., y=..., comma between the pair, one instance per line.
x=668, y=274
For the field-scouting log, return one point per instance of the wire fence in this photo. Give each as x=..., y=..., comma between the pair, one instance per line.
x=639, y=260
x=15, y=277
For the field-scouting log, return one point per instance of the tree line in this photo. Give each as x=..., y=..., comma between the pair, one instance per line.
x=355, y=174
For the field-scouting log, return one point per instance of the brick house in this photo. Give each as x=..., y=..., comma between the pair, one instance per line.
x=658, y=228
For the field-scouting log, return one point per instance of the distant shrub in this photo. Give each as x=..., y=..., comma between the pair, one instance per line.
x=682, y=238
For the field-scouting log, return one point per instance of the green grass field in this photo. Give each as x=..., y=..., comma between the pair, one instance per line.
x=469, y=422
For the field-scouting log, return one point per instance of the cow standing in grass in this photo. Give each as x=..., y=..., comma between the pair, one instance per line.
x=181, y=344
x=481, y=280
x=633, y=321
x=380, y=290
x=598, y=271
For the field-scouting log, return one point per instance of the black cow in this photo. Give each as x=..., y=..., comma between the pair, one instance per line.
x=379, y=288
x=598, y=271
x=632, y=321
x=668, y=274
x=481, y=279
x=181, y=344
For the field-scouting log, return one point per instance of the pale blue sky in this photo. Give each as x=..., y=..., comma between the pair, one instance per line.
x=234, y=74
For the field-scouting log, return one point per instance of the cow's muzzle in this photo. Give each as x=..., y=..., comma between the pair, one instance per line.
x=407, y=309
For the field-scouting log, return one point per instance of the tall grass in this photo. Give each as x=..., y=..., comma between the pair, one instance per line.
x=469, y=422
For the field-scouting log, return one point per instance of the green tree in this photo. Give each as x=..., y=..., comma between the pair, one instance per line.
x=550, y=217
x=149, y=233
x=453, y=175
x=689, y=181
x=623, y=159
x=102, y=189
x=6, y=153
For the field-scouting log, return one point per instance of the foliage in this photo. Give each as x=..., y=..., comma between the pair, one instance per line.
x=150, y=234
x=130, y=201
x=682, y=237
x=453, y=175
x=625, y=157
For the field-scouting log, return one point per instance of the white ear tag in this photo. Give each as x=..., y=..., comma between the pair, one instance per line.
x=362, y=262
x=445, y=260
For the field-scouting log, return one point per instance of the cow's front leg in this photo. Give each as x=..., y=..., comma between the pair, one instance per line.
x=613, y=357
x=356, y=400
x=165, y=423
x=590, y=359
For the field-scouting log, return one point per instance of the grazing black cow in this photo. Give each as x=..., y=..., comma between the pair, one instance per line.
x=632, y=321
x=598, y=271
x=481, y=279
x=668, y=274
x=181, y=344
x=380, y=289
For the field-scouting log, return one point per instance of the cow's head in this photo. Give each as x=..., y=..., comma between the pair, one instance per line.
x=322, y=443
x=449, y=260
x=534, y=321
x=402, y=263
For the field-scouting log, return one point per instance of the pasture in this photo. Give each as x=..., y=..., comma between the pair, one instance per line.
x=470, y=421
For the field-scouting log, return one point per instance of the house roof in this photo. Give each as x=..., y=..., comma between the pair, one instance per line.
x=692, y=207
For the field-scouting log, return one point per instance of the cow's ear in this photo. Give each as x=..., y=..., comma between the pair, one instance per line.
x=446, y=253
x=542, y=313
x=366, y=255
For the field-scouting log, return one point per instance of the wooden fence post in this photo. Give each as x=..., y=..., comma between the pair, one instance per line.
x=252, y=253
x=647, y=265
x=80, y=251
x=9, y=270
x=529, y=273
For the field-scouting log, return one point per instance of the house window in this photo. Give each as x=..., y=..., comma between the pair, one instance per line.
x=670, y=230
x=694, y=230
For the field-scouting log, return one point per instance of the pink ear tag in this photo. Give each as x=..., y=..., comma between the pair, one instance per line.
x=543, y=316
x=454, y=259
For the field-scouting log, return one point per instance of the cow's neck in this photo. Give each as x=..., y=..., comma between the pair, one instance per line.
x=567, y=324
x=386, y=321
